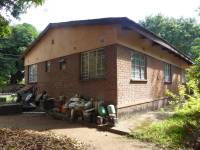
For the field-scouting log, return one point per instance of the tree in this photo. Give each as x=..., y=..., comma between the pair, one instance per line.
x=11, y=65
x=194, y=73
x=179, y=32
x=13, y=8
x=22, y=36
x=4, y=28
x=14, y=40
x=195, y=49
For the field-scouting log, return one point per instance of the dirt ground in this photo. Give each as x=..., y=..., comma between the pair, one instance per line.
x=94, y=139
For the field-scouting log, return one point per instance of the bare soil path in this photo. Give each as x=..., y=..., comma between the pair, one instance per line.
x=98, y=140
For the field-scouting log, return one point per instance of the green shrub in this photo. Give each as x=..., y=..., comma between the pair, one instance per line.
x=177, y=98
x=182, y=129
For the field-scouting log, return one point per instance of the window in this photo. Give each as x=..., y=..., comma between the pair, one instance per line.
x=47, y=66
x=33, y=73
x=62, y=64
x=138, y=66
x=167, y=72
x=93, y=64
x=183, y=76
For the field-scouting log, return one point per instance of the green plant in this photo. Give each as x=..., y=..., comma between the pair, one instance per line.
x=177, y=98
x=162, y=110
x=179, y=131
x=182, y=130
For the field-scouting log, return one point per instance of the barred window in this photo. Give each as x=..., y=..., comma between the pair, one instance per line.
x=138, y=63
x=183, y=76
x=47, y=66
x=62, y=64
x=93, y=64
x=32, y=73
x=167, y=72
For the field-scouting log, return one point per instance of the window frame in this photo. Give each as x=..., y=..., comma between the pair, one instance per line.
x=47, y=66
x=35, y=75
x=61, y=63
x=169, y=72
x=183, y=76
x=139, y=65
x=92, y=74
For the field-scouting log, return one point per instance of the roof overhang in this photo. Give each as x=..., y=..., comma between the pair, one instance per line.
x=124, y=22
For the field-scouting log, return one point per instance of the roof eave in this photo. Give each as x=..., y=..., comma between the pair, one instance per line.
x=124, y=22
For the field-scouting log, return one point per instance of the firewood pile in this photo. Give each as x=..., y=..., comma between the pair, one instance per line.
x=32, y=140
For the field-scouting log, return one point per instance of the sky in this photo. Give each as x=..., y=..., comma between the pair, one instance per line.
x=68, y=10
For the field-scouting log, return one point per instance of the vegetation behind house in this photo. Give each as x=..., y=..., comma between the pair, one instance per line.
x=183, y=33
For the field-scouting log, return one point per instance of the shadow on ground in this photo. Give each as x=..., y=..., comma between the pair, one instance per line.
x=37, y=122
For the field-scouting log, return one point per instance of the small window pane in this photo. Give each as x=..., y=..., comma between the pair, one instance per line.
x=48, y=66
x=100, y=64
x=142, y=61
x=142, y=73
x=84, y=66
x=167, y=72
x=62, y=64
x=33, y=73
x=183, y=76
x=138, y=66
x=93, y=64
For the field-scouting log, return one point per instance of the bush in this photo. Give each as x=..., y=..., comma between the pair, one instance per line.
x=180, y=130
x=177, y=98
x=183, y=128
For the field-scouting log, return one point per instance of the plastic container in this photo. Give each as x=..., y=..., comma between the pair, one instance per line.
x=88, y=105
x=111, y=109
x=102, y=111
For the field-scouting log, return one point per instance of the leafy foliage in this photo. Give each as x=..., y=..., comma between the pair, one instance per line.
x=4, y=28
x=13, y=8
x=16, y=7
x=194, y=76
x=179, y=131
x=22, y=36
x=13, y=40
x=11, y=49
x=181, y=32
x=176, y=98
x=195, y=49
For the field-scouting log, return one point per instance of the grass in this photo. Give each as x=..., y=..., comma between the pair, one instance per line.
x=167, y=133
x=178, y=131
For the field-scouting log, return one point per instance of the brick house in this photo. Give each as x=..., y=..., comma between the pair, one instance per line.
x=112, y=59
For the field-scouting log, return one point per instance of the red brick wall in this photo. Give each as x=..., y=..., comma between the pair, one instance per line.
x=116, y=88
x=132, y=93
x=68, y=83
